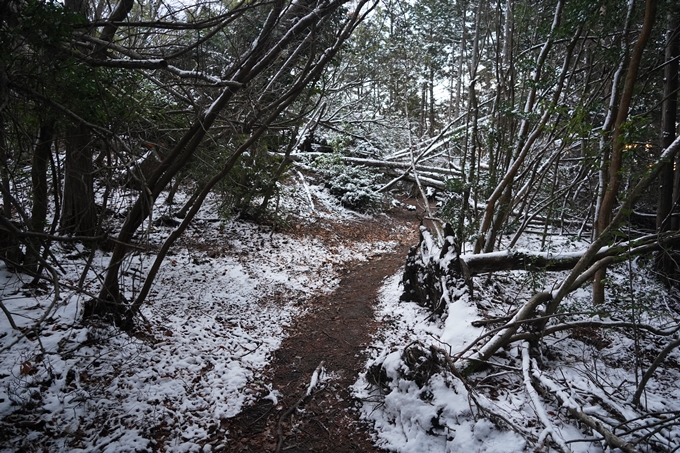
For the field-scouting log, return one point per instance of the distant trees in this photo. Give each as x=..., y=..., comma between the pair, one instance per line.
x=550, y=112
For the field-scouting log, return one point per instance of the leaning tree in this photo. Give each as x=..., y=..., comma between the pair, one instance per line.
x=145, y=94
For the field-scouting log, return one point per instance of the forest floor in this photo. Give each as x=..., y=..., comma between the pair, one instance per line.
x=334, y=336
x=239, y=319
x=256, y=338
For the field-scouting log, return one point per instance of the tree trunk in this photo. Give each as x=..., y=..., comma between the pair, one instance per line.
x=486, y=235
x=547, y=261
x=41, y=159
x=10, y=251
x=608, y=200
x=668, y=118
x=4, y=174
x=79, y=213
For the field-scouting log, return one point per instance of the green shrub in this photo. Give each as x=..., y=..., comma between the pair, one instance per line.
x=354, y=186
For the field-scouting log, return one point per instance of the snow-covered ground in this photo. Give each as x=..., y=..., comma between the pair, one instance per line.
x=433, y=418
x=220, y=306
x=218, y=309
x=416, y=405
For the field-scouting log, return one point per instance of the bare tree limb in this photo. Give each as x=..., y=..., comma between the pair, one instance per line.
x=652, y=368
x=575, y=410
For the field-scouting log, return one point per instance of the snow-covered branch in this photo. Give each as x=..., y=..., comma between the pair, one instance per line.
x=575, y=410
x=538, y=405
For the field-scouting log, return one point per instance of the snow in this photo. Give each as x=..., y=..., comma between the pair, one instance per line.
x=221, y=304
x=437, y=417
x=317, y=376
x=498, y=408
x=219, y=307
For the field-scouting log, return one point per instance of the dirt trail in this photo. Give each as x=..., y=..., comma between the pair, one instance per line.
x=336, y=331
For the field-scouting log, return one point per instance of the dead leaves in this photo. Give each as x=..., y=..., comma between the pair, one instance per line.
x=26, y=368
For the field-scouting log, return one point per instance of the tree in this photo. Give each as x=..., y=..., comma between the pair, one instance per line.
x=249, y=67
x=284, y=31
x=669, y=110
x=615, y=165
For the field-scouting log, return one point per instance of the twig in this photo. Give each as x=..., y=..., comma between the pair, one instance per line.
x=9, y=316
x=575, y=410
x=648, y=374
x=333, y=338
x=313, y=382
x=538, y=407
x=482, y=403
x=309, y=195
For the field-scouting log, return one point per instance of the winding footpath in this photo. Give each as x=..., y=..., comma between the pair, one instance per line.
x=335, y=333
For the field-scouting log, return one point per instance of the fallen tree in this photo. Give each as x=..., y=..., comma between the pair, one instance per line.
x=548, y=261
x=430, y=176
x=439, y=278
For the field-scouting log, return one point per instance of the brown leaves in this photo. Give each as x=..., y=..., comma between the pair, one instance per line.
x=26, y=368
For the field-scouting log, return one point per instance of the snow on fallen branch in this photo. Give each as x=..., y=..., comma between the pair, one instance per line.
x=549, y=261
x=309, y=194
x=316, y=376
x=575, y=410
x=377, y=163
x=538, y=406
x=429, y=176
x=504, y=335
x=550, y=330
x=313, y=384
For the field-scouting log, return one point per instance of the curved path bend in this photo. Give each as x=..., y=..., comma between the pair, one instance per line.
x=337, y=331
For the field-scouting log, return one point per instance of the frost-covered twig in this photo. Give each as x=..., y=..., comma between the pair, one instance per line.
x=658, y=432
x=538, y=407
x=309, y=195
x=576, y=411
x=590, y=323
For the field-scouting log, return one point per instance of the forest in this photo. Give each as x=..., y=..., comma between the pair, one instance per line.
x=184, y=181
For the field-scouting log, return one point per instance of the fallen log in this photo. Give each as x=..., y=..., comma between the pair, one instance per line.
x=430, y=176
x=298, y=157
x=436, y=275
x=548, y=261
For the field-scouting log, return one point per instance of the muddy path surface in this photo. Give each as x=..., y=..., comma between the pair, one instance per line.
x=335, y=332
